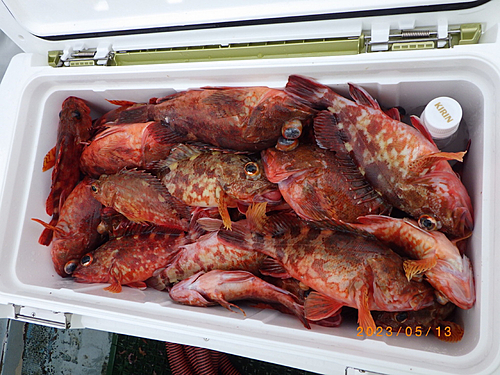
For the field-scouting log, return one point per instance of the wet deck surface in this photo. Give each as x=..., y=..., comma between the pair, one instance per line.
x=38, y=350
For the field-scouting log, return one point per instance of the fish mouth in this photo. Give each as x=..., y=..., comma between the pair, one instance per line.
x=456, y=285
x=273, y=196
x=464, y=221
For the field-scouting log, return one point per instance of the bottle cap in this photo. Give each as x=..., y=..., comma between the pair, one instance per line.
x=441, y=117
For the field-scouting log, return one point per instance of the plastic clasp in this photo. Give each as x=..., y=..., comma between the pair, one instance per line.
x=380, y=37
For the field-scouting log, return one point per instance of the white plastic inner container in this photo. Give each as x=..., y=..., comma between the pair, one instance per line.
x=28, y=277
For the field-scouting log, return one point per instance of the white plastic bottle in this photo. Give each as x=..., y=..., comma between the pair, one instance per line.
x=443, y=119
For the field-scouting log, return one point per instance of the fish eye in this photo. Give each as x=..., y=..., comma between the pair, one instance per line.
x=427, y=222
x=284, y=144
x=87, y=260
x=252, y=169
x=70, y=266
x=76, y=114
x=94, y=188
x=401, y=317
x=60, y=114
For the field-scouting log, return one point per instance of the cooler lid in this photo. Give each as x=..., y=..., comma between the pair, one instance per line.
x=44, y=25
x=52, y=19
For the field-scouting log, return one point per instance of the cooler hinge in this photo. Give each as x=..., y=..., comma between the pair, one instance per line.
x=81, y=57
x=383, y=39
x=378, y=39
x=42, y=317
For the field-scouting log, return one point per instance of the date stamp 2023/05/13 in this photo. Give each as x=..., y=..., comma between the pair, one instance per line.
x=417, y=331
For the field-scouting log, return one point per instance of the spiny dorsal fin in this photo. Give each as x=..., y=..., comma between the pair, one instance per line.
x=179, y=153
x=326, y=132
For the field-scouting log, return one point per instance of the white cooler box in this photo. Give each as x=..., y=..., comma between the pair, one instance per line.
x=244, y=45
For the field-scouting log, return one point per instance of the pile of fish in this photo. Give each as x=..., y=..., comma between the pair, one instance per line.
x=299, y=199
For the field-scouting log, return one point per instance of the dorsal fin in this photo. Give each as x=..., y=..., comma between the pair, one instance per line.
x=179, y=153
x=361, y=96
x=121, y=103
x=162, y=133
x=326, y=132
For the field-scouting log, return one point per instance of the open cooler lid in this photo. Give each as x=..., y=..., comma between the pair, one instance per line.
x=43, y=26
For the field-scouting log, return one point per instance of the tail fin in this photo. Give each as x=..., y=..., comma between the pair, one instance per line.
x=48, y=233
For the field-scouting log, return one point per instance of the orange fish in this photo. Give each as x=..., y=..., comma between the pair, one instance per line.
x=220, y=287
x=432, y=253
x=128, y=260
x=343, y=268
x=141, y=198
x=399, y=161
x=74, y=129
x=76, y=230
x=319, y=184
x=238, y=118
x=205, y=254
x=216, y=179
x=125, y=146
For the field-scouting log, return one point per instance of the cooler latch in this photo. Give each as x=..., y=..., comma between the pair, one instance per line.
x=42, y=317
x=381, y=38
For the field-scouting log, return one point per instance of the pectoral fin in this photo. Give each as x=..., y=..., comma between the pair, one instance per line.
x=318, y=306
x=115, y=287
x=393, y=113
x=228, y=305
x=365, y=318
x=223, y=211
x=49, y=160
x=256, y=215
x=427, y=161
x=413, y=267
x=141, y=285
